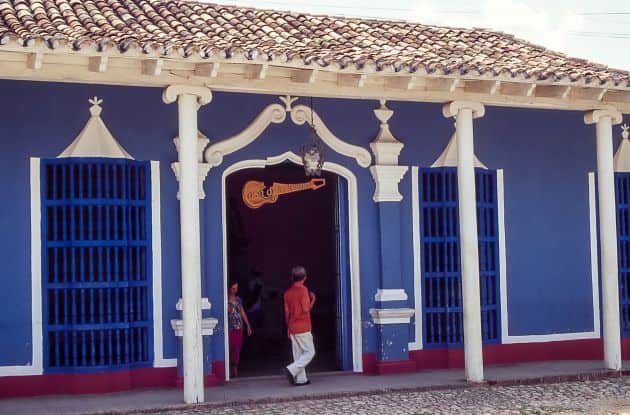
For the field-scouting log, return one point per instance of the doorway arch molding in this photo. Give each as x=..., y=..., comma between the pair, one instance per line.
x=277, y=114
x=353, y=244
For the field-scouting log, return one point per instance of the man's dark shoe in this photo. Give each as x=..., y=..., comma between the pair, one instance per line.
x=289, y=376
x=308, y=382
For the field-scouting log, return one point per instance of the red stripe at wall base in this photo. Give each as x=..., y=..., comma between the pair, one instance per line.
x=75, y=383
x=494, y=354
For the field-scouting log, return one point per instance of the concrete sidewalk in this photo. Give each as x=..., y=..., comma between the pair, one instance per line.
x=324, y=385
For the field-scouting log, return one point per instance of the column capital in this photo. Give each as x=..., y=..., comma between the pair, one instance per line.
x=172, y=92
x=450, y=109
x=593, y=116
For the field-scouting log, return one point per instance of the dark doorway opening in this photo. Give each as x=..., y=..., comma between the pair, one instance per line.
x=300, y=228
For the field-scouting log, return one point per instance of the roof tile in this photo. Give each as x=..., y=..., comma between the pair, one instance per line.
x=209, y=29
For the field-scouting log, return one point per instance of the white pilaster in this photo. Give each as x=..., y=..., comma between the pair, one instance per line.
x=464, y=112
x=386, y=148
x=604, y=120
x=189, y=99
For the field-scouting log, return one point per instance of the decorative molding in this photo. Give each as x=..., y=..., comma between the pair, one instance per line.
x=171, y=93
x=386, y=148
x=391, y=315
x=592, y=117
x=301, y=114
x=387, y=179
x=353, y=244
x=204, y=168
x=205, y=304
x=95, y=139
x=451, y=109
x=274, y=113
x=621, y=161
x=277, y=114
x=207, y=326
x=448, y=158
x=390, y=294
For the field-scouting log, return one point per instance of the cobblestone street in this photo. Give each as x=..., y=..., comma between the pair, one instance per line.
x=593, y=397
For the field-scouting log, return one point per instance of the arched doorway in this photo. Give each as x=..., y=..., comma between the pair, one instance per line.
x=307, y=227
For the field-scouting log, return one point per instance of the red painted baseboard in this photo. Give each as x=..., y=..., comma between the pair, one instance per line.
x=75, y=383
x=369, y=363
x=625, y=348
x=396, y=366
x=589, y=349
x=216, y=378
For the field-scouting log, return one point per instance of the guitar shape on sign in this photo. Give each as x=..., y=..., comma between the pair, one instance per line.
x=256, y=194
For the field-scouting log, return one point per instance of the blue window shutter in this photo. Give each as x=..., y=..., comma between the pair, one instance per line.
x=622, y=190
x=441, y=272
x=96, y=247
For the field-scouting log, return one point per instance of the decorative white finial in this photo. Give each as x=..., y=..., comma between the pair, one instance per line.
x=625, y=131
x=95, y=109
x=288, y=101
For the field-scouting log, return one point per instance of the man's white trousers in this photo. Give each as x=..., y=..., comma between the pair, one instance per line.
x=303, y=353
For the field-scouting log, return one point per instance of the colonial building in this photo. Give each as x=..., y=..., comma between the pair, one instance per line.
x=153, y=150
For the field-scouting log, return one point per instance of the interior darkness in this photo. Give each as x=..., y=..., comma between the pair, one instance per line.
x=263, y=245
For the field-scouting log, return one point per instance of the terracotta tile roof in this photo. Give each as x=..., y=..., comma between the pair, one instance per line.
x=187, y=28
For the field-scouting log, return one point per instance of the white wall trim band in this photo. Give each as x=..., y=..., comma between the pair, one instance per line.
x=391, y=315
x=390, y=294
x=35, y=366
x=156, y=247
x=417, y=259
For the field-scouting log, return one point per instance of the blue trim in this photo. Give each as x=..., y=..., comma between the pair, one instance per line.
x=344, y=312
x=442, y=308
x=97, y=308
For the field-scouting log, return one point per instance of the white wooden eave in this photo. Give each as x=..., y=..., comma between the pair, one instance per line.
x=240, y=74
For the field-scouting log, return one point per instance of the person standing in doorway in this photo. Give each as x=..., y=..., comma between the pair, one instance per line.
x=236, y=319
x=298, y=302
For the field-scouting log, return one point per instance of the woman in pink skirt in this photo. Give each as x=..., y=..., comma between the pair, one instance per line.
x=236, y=318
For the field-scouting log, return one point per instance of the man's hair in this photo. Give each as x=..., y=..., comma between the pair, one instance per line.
x=298, y=273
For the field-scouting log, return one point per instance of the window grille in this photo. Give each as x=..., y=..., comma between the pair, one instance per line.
x=96, y=265
x=441, y=272
x=622, y=184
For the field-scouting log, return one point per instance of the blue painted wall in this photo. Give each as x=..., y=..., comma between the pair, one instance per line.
x=545, y=155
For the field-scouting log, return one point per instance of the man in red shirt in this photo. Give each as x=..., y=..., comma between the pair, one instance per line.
x=298, y=302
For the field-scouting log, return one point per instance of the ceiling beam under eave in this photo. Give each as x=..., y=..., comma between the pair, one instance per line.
x=35, y=60
x=442, y=84
x=399, y=82
x=352, y=80
x=304, y=76
x=256, y=71
x=482, y=86
x=98, y=63
x=617, y=97
x=553, y=91
x=152, y=67
x=207, y=70
x=126, y=72
x=519, y=89
x=590, y=93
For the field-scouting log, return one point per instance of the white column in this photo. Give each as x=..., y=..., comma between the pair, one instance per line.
x=604, y=120
x=188, y=101
x=464, y=112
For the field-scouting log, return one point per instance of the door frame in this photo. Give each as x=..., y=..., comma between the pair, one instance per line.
x=353, y=245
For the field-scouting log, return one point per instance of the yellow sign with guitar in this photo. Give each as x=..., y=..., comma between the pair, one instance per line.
x=256, y=194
